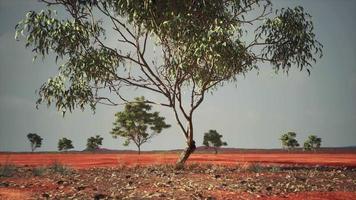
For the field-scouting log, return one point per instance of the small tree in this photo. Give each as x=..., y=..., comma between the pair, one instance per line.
x=213, y=139
x=289, y=141
x=307, y=146
x=137, y=124
x=312, y=143
x=93, y=143
x=35, y=140
x=64, y=144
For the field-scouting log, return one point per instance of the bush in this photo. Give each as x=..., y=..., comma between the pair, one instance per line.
x=59, y=168
x=255, y=167
x=275, y=169
x=7, y=170
x=38, y=171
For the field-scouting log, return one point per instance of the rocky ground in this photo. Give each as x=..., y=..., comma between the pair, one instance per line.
x=195, y=181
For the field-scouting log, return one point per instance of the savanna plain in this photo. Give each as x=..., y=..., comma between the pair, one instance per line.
x=255, y=174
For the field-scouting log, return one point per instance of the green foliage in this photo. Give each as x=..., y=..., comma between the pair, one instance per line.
x=35, y=140
x=204, y=40
x=213, y=138
x=137, y=124
x=64, y=144
x=289, y=141
x=65, y=38
x=93, y=143
x=202, y=44
x=312, y=143
x=7, y=170
x=255, y=168
x=58, y=167
x=291, y=36
x=275, y=169
x=38, y=171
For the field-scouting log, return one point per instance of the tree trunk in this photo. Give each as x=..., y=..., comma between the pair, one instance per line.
x=186, y=153
x=216, y=150
x=139, y=150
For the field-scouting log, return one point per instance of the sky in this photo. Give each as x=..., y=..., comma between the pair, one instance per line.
x=252, y=113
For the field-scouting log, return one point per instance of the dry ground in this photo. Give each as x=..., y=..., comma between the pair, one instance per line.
x=85, y=160
x=151, y=176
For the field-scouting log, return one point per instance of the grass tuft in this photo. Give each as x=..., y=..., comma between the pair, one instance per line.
x=7, y=170
x=58, y=167
x=39, y=171
x=275, y=169
x=255, y=167
x=179, y=166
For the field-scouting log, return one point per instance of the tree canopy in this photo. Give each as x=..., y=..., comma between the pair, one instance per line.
x=137, y=124
x=201, y=45
x=213, y=139
x=289, y=141
x=93, y=143
x=312, y=143
x=64, y=144
x=35, y=140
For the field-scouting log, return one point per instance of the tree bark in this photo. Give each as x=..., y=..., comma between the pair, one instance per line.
x=190, y=143
x=186, y=153
x=139, y=150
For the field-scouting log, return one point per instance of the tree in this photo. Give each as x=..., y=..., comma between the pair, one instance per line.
x=289, y=141
x=312, y=143
x=65, y=144
x=135, y=122
x=35, y=140
x=201, y=45
x=93, y=143
x=213, y=138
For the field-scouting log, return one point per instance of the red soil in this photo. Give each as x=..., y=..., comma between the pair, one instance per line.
x=85, y=160
x=13, y=194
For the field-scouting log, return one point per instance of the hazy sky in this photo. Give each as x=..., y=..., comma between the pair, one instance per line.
x=252, y=115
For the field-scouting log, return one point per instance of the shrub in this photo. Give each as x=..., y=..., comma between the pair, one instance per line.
x=255, y=167
x=275, y=169
x=7, y=170
x=59, y=168
x=38, y=171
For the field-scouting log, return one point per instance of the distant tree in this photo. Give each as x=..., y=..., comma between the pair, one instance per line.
x=35, y=140
x=64, y=144
x=307, y=146
x=213, y=139
x=137, y=124
x=312, y=143
x=93, y=143
x=289, y=141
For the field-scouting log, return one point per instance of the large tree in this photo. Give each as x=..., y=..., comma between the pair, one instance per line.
x=201, y=45
x=213, y=139
x=64, y=144
x=137, y=124
x=35, y=140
